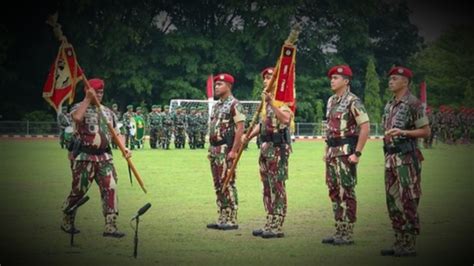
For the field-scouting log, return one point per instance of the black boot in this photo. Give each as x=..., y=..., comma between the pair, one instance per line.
x=220, y=220
x=266, y=227
x=337, y=235
x=230, y=222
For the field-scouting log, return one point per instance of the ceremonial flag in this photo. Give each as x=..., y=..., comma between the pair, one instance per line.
x=423, y=97
x=210, y=88
x=285, y=79
x=62, y=78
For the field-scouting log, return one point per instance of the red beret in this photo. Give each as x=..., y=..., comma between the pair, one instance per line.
x=340, y=70
x=224, y=77
x=96, y=84
x=268, y=70
x=402, y=71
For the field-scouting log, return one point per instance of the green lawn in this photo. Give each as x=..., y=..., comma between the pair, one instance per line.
x=36, y=179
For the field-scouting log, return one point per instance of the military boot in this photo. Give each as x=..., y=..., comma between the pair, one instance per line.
x=266, y=227
x=337, y=234
x=111, y=229
x=347, y=229
x=67, y=225
x=395, y=247
x=408, y=246
x=220, y=220
x=230, y=220
x=275, y=229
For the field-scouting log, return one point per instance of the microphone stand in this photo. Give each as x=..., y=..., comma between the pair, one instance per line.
x=135, y=240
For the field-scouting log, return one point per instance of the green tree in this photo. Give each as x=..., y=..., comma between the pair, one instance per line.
x=372, y=99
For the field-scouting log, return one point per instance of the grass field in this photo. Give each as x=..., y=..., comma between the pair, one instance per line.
x=35, y=180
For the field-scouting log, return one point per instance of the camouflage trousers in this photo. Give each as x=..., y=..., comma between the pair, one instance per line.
x=219, y=166
x=83, y=173
x=274, y=173
x=403, y=191
x=341, y=178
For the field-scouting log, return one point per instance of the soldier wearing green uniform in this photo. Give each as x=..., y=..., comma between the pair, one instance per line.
x=192, y=126
x=91, y=159
x=225, y=136
x=168, y=128
x=64, y=121
x=118, y=117
x=139, y=139
x=129, y=128
x=273, y=130
x=179, y=129
x=202, y=124
x=346, y=134
x=404, y=121
x=155, y=122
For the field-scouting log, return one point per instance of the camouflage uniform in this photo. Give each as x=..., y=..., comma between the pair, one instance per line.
x=403, y=169
x=167, y=128
x=192, y=126
x=64, y=121
x=344, y=115
x=274, y=153
x=92, y=161
x=180, y=129
x=155, y=122
x=226, y=113
x=126, y=118
x=202, y=128
x=139, y=142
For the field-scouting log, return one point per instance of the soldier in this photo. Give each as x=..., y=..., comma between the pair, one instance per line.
x=179, y=128
x=160, y=126
x=138, y=139
x=404, y=121
x=155, y=123
x=64, y=121
x=202, y=127
x=225, y=135
x=167, y=128
x=273, y=130
x=126, y=119
x=92, y=159
x=192, y=126
x=346, y=134
x=118, y=117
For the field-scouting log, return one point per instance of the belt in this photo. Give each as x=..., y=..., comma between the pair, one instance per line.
x=336, y=142
x=404, y=147
x=93, y=151
x=275, y=138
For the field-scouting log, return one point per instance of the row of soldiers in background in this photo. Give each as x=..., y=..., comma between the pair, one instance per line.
x=450, y=125
x=163, y=125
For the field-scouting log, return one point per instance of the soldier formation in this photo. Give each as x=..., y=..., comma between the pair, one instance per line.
x=404, y=121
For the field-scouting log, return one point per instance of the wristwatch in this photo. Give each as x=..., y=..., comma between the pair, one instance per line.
x=358, y=153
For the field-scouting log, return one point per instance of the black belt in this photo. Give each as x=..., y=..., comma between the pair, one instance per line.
x=93, y=151
x=275, y=138
x=336, y=142
x=218, y=143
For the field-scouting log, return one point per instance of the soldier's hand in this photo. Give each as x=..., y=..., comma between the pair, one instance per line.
x=231, y=155
x=268, y=97
x=394, y=132
x=244, y=139
x=128, y=153
x=353, y=159
x=91, y=95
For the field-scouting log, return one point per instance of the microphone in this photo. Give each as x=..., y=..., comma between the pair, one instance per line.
x=142, y=211
x=78, y=204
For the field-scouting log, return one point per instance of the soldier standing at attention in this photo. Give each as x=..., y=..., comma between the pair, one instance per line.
x=192, y=122
x=167, y=128
x=64, y=121
x=202, y=127
x=93, y=159
x=154, y=119
x=179, y=128
x=225, y=135
x=127, y=116
x=274, y=134
x=346, y=134
x=404, y=121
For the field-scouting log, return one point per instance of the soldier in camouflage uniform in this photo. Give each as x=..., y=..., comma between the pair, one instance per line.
x=118, y=117
x=168, y=126
x=404, y=121
x=127, y=116
x=64, y=121
x=92, y=159
x=202, y=127
x=273, y=131
x=179, y=129
x=192, y=126
x=225, y=135
x=139, y=112
x=155, y=122
x=346, y=134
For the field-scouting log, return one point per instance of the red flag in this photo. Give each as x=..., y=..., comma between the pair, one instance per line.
x=210, y=87
x=285, y=88
x=62, y=78
x=423, y=98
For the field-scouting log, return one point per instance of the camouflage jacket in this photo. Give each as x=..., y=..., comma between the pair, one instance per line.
x=344, y=115
x=155, y=119
x=406, y=114
x=64, y=120
x=225, y=114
